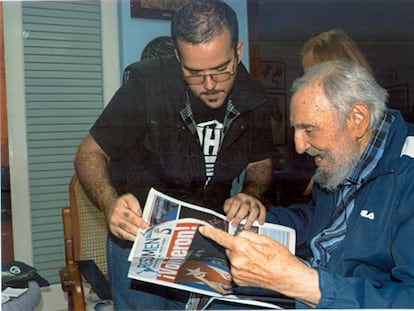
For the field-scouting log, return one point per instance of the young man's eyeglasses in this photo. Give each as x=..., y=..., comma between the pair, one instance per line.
x=216, y=77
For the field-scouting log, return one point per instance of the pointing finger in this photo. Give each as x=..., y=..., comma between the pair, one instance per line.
x=217, y=235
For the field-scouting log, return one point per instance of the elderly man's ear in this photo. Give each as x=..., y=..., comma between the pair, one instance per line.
x=359, y=119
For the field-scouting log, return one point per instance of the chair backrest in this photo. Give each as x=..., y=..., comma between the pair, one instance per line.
x=89, y=227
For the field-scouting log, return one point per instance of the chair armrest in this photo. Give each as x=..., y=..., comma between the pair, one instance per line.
x=70, y=276
x=71, y=282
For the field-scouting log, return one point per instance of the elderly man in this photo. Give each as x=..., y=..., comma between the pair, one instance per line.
x=358, y=229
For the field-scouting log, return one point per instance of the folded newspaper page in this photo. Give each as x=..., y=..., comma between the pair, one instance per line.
x=173, y=253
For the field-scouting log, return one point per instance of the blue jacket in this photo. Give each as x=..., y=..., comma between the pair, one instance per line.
x=373, y=267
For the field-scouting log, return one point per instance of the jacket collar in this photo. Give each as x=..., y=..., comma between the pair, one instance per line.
x=248, y=93
x=390, y=161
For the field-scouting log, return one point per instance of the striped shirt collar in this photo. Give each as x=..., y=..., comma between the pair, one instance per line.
x=373, y=152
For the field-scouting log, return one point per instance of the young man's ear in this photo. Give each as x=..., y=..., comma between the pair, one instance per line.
x=359, y=119
x=177, y=55
x=239, y=51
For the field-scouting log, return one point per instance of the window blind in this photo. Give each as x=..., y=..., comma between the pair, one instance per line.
x=63, y=83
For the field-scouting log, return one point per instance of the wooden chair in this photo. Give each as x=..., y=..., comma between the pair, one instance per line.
x=85, y=232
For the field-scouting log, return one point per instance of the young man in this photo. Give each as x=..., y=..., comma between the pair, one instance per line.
x=359, y=229
x=186, y=125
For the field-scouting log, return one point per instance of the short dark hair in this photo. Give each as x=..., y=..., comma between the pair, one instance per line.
x=199, y=21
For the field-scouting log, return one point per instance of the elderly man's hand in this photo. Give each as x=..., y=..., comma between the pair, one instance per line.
x=244, y=206
x=257, y=260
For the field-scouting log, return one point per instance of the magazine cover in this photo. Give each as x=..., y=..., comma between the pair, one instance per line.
x=173, y=253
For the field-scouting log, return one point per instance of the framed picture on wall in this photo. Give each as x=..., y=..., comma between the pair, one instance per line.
x=272, y=74
x=278, y=117
x=155, y=9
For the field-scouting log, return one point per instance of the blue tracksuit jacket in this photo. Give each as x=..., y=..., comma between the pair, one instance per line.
x=373, y=267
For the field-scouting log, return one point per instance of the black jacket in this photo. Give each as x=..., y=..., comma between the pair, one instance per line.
x=150, y=145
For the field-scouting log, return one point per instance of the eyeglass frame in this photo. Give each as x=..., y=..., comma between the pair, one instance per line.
x=213, y=75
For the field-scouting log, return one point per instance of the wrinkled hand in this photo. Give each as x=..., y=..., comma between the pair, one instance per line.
x=125, y=217
x=254, y=258
x=244, y=206
x=257, y=260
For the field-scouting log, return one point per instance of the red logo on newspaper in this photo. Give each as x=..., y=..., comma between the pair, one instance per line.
x=178, y=250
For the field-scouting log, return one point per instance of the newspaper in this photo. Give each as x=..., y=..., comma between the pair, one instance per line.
x=173, y=253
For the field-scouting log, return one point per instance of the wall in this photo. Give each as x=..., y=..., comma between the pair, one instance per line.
x=135, y=33
x=382, y=28
x=6, y=224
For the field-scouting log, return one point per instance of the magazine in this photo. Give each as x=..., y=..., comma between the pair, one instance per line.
x=173, y=253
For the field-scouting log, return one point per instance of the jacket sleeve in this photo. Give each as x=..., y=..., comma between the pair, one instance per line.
x=386, y=286
x=121, y=122
x=386, y=281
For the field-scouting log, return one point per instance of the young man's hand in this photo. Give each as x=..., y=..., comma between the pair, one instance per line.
x=125, y=217
x=244, y=206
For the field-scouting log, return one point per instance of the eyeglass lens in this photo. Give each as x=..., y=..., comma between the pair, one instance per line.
x=217, y=77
